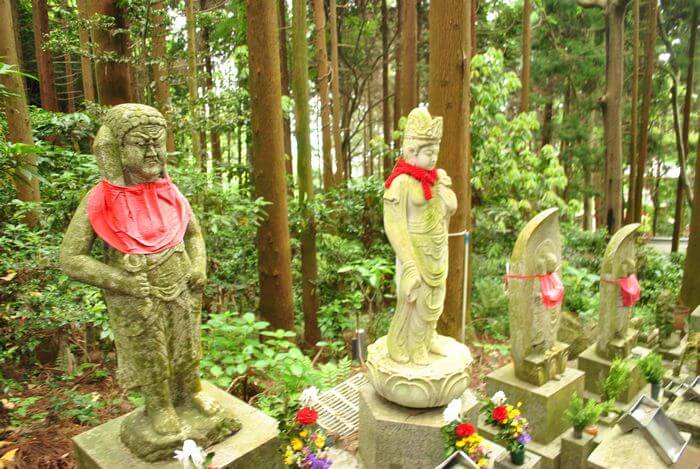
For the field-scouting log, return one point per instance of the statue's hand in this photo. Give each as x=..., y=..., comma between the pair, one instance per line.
x=410, y=282
x=197, y=280
x=443, y=178
x=138, y=286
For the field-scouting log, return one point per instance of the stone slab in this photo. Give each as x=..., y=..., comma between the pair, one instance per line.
x=624, y=450
x=396, y=437
x=686, y=415
x=255, y=446
x=532, y=461
x=543, y=405
x=549, y=454
x=575, y=451
x=674, y=354
x=597, y=369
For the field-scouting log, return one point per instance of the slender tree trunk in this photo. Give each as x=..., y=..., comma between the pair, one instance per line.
x=160, y=69
x=68, y=67
x=547, y=122
x=634, y=119
x=284, y=70
x=387, y=162
x=397, y=76
x=300, y=90
x=44, y=63
x=113, y=78
x=192, y=81
x=409, y=56
x=656, y=182
x=474, y=13
x=274, y=254
x=647, y=88
x=19, y=130
x=690, y=288
x=335, y=89
x=449, y=97
x=525, y=70
x=86, y=51
x=323, y=75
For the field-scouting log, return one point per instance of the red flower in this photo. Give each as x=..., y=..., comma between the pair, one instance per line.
x=500, y=414
x=464, y=430
x=306, y=416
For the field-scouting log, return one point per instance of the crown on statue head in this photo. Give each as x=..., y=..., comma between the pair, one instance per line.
x=421, y=125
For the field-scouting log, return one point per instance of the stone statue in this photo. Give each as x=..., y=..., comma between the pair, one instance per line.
x=535, y=294
x=152, y=274
x=665, y=312
x=619, y=291
x=418, y=203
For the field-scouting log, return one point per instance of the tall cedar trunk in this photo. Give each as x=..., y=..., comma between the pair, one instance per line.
x=214, y=137
x=19, y=130
x=690, y=288
x=284, y=73
x=300, y=91
x=474, y=12
x=397, y=75
x=409, y=56
x=370, y=125
x=274, y=253
x=85, y=61
x=611, y=104
x=634, y=119
x=387, y=162
x=159, y=67
x=112, y=78
x=323, y=75
x=589, y=199
x=525, y=70
x=678, y=216
x=449, y=96
x=335, y=89
x=647, y=88
x=547, y=121
x=192, y=81
x=68, y=64
x=44, y=63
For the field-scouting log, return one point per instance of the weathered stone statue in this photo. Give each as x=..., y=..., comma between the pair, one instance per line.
x=152, y=274
x=535, y=294
x=619, y=291
x=665, y=315
x=418, y=203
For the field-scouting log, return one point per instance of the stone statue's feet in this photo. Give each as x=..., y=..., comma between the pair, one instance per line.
x=421, y=357
x=438, y=346
x=165, y=421
x=205, y=404
x=400, y=358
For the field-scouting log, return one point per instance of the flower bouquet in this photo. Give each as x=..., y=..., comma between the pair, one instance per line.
x=191, y=456
x=512, y=427
x=462, y=436
x=308, y=445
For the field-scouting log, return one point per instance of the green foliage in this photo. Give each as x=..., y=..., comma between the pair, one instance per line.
x=617, y=379
x=580, y=414
x=652, y=368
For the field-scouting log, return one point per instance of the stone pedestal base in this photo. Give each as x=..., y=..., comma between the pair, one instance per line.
x=624, y=450
x=395, y=437
x=597, y=369
x=549, y=454
x=532, y=461
x=544, y=405
x=253, y=447
x=674, y=354
x=420, y=386
x=575, y=451
x=686, y=415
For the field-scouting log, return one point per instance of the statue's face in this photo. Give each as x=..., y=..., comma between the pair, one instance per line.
x=424, y=156
x=144, y=154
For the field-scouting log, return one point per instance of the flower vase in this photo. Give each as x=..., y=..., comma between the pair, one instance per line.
x=655, y=390
x=578, y=432
x=517, y=457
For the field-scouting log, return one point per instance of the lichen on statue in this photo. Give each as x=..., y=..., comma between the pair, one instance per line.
x=152, y=274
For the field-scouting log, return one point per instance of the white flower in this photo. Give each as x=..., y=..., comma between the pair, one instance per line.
x=309, y=396
x=190, y=453
x=453, y=411
x=499, y=398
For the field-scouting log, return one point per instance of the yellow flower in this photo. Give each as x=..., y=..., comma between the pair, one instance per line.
x=320, y=441
x=483, y=462
x=297, y=444
x=461, y=443
x=513, y=413
x=289, y=456
x=519, y=404
x=304, y=433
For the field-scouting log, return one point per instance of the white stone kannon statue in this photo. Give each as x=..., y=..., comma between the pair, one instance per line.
x=413, y=365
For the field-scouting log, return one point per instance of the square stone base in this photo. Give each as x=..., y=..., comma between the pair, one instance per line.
x=686, y=415
x=674, y=354
x=396, y=437
x=255, y=446
x=624, y=450
x=544, y=405
x=532, y=461
x=549, y=454
x=575, y=451
x=597, y=369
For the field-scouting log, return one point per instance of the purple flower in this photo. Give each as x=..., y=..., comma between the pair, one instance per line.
x=524, y=438
x=311, y=461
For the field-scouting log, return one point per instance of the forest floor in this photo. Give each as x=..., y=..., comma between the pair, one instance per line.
x=38, y=421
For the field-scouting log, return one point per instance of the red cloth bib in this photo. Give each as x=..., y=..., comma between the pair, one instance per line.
x=551, y=288
x=426, y=178
x=629, y=288
x=140, y=219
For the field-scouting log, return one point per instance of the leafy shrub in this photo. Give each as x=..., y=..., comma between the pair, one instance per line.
x=652, y=368
x=617, y=379
x=580, y=414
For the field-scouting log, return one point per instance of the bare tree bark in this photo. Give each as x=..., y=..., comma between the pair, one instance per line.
x=409, y=56
x=690, y=288
x=192, y=81
x=284, y=70
x=159, y=67
x=335, y=89
x=634, y=119
x=44, y=62
x=449, y=97
x=387, y=162
x=268, y=172
x=526, y=46
x=85, y=61
x=68, y=67
x=397, y=75
x=323, y=75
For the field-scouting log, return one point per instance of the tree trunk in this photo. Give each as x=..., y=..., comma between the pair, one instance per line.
x=19, y=130
x=474, y=13
x=409, y=56
x=525, y=70
x=335, y=89
x=690, y=288
x=449, y=97
x=547, y=122
x=274, y=253
x=214, y=138
x=397, y=74
x=113, y=78
x=44, y=63
x=634, y=119
x=68, y=67
x=323, y=74
x=387, y=162
x=192, y=81
x=284, y=71
x=647, y=87
x=86, y=51
x=300, y=91
x=160, y=69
